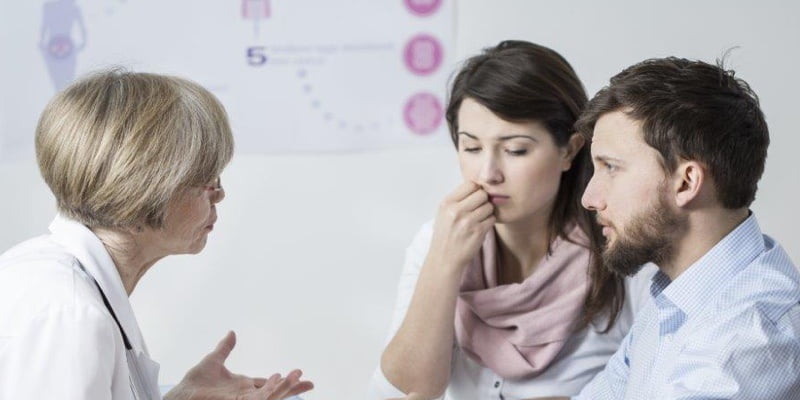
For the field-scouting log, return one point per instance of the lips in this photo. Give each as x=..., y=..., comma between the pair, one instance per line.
x=605, y=225
x=498, y=199
x=211, y=224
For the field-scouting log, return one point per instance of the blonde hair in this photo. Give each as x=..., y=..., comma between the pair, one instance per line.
x=116, y=146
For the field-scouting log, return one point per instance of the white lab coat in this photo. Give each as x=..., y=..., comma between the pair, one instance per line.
x=57, y=338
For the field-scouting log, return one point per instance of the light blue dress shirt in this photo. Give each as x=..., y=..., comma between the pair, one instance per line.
x=727, y=328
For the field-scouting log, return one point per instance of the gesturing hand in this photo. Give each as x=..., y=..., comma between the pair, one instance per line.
x=464, y=218
x=210, y=380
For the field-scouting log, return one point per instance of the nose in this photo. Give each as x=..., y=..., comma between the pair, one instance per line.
x=491, y=172
x=217, y=194
x=592, y=198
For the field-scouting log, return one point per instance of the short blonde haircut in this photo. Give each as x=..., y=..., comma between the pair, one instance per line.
x=116, y=146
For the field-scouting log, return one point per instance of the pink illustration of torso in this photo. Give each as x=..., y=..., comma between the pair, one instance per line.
x=59, y=49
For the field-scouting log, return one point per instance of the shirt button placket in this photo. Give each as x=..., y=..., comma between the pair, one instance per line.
x=497, y=386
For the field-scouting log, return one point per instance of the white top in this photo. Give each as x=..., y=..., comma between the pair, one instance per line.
x=57, y=339
x=584, y=355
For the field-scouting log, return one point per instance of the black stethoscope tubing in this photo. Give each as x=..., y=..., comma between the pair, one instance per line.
x=111, y=310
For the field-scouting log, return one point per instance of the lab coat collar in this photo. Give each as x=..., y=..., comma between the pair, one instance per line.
x=93, y=256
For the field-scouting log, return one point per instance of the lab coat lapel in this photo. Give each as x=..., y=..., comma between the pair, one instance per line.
x=93, y=256
x=89, y=250
x=147, y=374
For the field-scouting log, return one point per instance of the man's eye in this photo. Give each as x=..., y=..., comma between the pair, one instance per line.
x=472, y=149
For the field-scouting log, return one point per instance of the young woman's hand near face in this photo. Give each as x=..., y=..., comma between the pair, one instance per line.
x=464, y=218
x=418, y=358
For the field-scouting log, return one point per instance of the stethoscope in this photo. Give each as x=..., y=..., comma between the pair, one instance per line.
x=135, y=375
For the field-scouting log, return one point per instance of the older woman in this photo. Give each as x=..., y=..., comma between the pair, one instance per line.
x=134, y=161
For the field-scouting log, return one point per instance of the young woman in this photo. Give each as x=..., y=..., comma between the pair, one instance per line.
x=504, y=296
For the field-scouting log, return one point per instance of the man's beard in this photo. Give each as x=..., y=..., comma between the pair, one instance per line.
x=649, y=237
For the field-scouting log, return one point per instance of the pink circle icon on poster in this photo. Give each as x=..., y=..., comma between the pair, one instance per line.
x=423, y=113
x=422, y=8
x=423, y=54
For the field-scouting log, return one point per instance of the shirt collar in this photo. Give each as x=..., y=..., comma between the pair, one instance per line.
x=81, y=242
x=690, y=292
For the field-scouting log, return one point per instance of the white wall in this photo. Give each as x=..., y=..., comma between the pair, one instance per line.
x=307, y=250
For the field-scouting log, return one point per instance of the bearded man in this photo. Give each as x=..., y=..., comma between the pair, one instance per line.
x=678, y=148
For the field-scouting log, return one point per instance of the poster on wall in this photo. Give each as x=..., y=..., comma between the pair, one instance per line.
x=296, y=76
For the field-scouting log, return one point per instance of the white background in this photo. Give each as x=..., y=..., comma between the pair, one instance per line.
x=305, y=256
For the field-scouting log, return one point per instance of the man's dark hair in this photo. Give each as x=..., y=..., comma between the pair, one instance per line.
x=692, y=110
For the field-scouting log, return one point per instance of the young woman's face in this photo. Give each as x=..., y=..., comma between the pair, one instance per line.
x=517, y=163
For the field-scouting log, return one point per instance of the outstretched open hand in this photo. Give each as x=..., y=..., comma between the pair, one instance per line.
x=211, y=380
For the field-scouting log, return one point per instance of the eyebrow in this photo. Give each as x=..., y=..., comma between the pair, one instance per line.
x=501, y=138
x=607, y=159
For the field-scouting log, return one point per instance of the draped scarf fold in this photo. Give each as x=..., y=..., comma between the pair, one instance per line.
x=517, y=329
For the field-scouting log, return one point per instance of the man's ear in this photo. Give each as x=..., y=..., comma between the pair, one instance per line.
x=688, y=181
x=575, y=144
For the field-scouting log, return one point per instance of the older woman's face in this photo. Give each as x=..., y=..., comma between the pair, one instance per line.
x=189, y=219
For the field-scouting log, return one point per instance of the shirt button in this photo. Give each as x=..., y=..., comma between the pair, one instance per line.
x=496, y=384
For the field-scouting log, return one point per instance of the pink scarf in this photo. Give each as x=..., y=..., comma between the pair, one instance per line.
x=518, y=329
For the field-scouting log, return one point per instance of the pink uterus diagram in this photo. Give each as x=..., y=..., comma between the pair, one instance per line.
x=256, y=10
